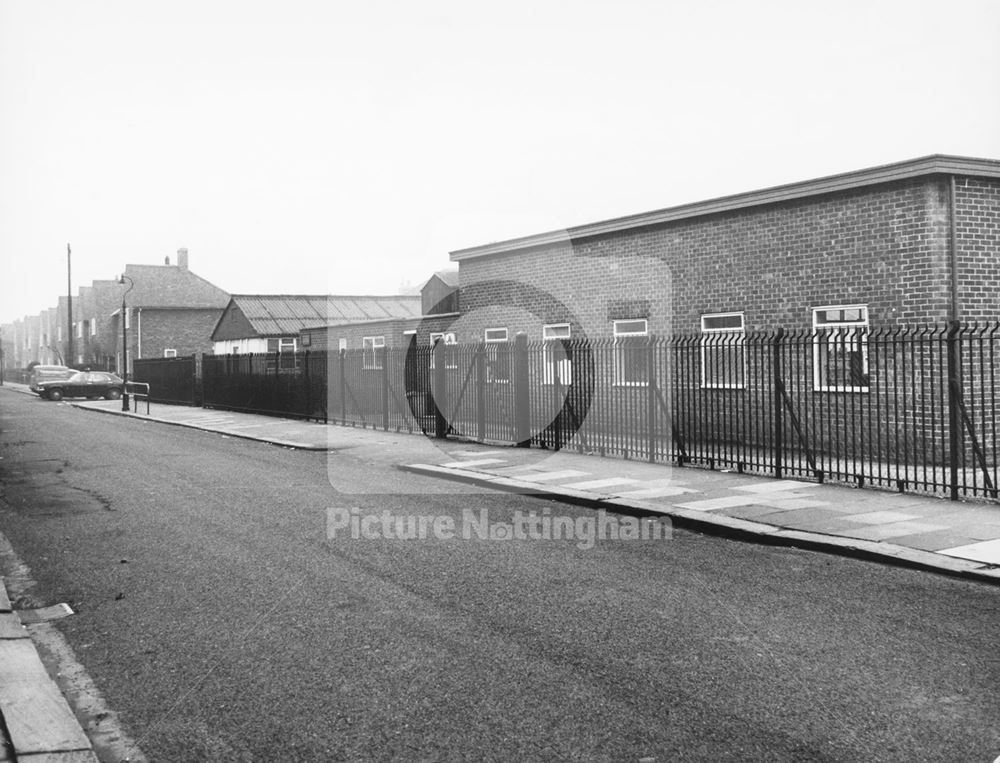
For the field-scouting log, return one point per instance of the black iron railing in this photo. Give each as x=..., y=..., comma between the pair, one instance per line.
x=901, y=408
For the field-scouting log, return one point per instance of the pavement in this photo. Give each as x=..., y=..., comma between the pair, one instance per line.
x=919, y=531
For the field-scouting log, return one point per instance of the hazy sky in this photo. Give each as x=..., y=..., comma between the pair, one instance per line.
x=308, y=146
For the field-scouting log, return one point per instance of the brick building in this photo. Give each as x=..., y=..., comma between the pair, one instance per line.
x=791, y=313
x=902, y=244
x=438, y=305
x=170, y=311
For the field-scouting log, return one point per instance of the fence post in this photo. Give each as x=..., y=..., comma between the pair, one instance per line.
x=777, y=402
x=309, y=407
x=651, y=399
x=343, y=387
x=440, y=392
x=954, y=349
x=385, y=389
x=557, y=393
x=480, y=361
x=522, y=398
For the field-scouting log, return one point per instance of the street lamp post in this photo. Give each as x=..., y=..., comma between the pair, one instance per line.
x=122, y=281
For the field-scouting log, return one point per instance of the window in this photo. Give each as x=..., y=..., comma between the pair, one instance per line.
x=342, y=343
x=497, y=355
x=450, y=357
x=306, y=340
x=840, y=348
x=58, y=334
x=170, y=353
x=723, y=351
x=236, y=349
x=128, y=322
x=631, y=347
x=78, y=325
x=284, y=347
x=373, y=347
x=495, y=335
x=93, y=326
x=556, y=356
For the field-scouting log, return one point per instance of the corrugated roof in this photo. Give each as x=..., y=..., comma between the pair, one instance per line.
x=285, y=314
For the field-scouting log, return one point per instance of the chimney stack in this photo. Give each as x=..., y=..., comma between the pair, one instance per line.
x=182, y=258
x=166, y=260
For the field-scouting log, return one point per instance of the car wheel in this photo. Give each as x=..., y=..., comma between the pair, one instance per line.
x=55, y=395
x=113, y=394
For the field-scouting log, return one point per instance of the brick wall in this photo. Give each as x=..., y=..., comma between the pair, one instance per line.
x=978, y=247
x=188, y=331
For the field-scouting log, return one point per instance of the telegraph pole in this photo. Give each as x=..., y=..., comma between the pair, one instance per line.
x=69, y=305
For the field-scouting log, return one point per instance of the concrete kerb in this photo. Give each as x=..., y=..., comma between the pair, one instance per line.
x=730, y=527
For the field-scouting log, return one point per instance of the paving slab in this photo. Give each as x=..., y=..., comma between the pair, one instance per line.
x=37, y=715
x=11, y=627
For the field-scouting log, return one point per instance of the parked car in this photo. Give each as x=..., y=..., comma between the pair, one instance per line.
x=90, y=384
x=41, y=373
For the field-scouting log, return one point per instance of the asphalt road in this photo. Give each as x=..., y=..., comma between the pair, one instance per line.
x=215, y=614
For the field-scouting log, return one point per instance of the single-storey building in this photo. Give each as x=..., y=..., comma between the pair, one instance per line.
x=783, y=320
x=902, y=244
x=256, y=323
x=438, y=302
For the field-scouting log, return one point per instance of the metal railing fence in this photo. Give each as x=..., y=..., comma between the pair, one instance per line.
x=898, y=408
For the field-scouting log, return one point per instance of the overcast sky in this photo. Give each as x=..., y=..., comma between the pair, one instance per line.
x=310, y=146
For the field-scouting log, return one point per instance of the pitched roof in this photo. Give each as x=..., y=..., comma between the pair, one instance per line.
x=285, y=314
x=170, y=286
x=449, y=277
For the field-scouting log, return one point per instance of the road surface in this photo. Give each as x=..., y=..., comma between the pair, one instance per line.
x=217, y=616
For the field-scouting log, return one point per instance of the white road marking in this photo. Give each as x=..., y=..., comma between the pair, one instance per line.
x=478, y=462
x=596, y=484
x=551, y=476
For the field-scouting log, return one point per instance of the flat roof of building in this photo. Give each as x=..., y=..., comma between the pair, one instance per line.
x=936, y=164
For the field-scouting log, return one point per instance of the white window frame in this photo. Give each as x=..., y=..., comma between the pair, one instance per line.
x=372, y=359
x=852, y=333
x=493, y=336
x=555, y=361
x=622, y=334
x=712, y=336
x=93, y=326
x=342, y=343
x=170, y=353
x=450, y=356
x=78, y=329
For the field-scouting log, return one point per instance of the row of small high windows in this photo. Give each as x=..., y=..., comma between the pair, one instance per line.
x=839, y=351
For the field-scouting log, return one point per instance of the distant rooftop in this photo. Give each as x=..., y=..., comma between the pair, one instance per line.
x=171, y=286
x=285, y=314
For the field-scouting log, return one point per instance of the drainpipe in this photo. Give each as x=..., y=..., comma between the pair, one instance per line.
x=953, y=252
x=138, y=332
